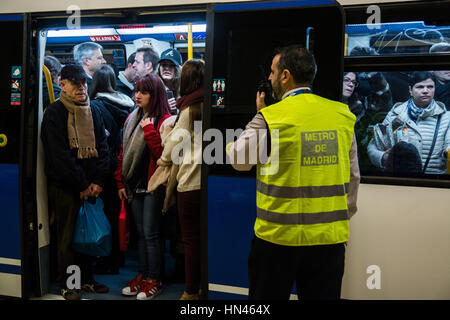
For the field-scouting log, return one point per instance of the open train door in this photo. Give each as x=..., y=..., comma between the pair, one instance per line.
x=240, y=38
x=15, y=226
x=119, y=31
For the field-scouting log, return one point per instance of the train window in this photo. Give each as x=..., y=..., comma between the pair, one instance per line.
x=399, y=38
x=397, y=82
x=397, y=121
x=243, y=52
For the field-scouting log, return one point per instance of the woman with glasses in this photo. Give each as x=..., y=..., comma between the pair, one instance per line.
x=350, y=97
x=369, y=97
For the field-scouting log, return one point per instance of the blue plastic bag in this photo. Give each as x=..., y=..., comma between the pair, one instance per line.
x=92, y=234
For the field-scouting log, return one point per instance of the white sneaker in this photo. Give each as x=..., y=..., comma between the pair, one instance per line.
x=150, y=289
x=133, y=286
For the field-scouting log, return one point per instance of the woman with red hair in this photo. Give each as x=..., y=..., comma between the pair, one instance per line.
x=141, y=148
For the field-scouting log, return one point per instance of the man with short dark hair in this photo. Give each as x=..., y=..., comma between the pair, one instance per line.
x=76, y=166
x=145, y=62
x=306, y=191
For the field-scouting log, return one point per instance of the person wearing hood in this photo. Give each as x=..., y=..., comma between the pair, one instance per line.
x=425, y=125
x=114, y=107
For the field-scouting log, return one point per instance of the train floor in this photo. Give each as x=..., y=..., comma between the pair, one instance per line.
x=173, y=286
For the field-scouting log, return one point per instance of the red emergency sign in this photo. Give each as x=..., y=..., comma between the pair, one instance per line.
x=113, y=37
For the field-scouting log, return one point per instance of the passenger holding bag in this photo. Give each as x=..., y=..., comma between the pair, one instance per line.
x=76, y=166
x=124, y=227
x=141, y=148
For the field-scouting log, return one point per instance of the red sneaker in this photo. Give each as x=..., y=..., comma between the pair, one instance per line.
x=133, y=286
x=150, y=289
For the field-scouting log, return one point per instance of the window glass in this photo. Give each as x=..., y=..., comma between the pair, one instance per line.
x=396, y=38
x=402, y=125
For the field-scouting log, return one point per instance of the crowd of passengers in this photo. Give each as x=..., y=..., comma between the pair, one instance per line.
x=108, y=135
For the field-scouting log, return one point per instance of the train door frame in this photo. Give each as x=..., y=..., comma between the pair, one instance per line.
x=27, y=226
x=90, y=18
x=221, y=282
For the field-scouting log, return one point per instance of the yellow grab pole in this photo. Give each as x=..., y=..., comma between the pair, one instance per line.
x=190, y=49
x=48, y=79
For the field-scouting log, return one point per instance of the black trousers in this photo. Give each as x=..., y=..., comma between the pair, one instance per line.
x=317, y=271
x=66, y=205
x=111, y=208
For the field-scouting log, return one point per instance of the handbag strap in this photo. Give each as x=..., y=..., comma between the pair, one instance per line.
x=436, y=130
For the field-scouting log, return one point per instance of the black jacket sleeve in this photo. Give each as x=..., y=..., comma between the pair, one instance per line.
x=61, y=164
x=101, y=164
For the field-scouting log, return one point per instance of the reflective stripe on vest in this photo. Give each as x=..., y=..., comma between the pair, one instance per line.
x=302, y=218
x=302, y=192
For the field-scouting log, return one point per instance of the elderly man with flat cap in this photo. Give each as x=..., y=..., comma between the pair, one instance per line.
x=76, y=166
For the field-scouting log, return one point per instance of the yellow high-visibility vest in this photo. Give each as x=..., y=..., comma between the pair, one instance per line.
x=301, y=192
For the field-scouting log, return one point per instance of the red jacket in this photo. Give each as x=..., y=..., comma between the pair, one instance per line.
x=153, y=140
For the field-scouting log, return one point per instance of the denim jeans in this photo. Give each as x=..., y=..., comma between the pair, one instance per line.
x=146, y=210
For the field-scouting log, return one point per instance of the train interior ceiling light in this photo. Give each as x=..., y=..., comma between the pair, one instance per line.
x=124, y=31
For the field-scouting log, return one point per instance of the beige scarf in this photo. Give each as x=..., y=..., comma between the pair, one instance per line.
x=80, y=127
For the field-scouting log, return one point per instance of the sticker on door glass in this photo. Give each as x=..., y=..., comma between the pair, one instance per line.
x=218, y=96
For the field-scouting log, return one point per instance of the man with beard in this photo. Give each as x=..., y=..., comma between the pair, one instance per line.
x=145, y=62
x=125, y=78
x=306, y=198
x=76, y=166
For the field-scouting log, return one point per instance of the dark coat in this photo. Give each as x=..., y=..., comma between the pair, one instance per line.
x=121, y=87
x=442, y=93
x=114, y=110
x=62, y=166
